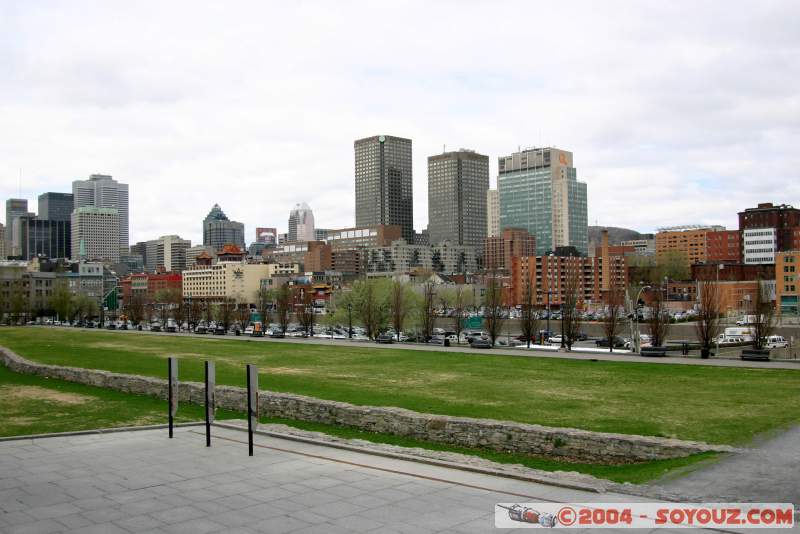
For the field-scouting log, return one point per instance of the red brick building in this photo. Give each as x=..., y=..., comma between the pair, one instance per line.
x=724, y=246
x=784, y=219
x=498, y=250
x=148, y=284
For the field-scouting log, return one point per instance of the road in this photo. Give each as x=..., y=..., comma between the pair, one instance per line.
x=588, y=353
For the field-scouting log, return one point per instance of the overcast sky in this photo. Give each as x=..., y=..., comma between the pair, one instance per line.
x=676, y=112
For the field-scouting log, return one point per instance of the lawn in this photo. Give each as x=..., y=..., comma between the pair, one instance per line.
x=713, y=404
x=36, y=405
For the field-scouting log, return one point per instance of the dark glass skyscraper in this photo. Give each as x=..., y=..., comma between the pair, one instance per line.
x=384, y=183
x=219, y=231
x=56, y=206
x=457, y=185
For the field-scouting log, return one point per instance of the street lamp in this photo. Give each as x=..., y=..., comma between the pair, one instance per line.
x=350, y=320
x=636, y=339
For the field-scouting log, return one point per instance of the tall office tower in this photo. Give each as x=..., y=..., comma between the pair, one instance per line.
x=102, y=191
x=384, y=183
x=41, y=237
x=301, y=223
x=15, y=207
x=457, y=185
x=95, y=234
x=56, y=206
x=219, y=231
x=168, y=252
x=539, y=192
x=492, y=213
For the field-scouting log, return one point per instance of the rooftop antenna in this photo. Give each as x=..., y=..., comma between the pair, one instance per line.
x=19, y=184
x=444, y=149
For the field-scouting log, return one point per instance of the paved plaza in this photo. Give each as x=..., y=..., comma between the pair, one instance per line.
x=141, y=481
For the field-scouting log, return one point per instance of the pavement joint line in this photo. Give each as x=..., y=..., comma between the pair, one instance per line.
x=399, y=472
x=90, y=432
x=417, y=459
x=365, y=466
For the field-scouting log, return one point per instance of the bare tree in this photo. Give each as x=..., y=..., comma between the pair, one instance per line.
x=570, y=314
x=707, y=326
x=283, y=302
x=306, y=314
x=19, y=303
x=658, y=322
x=493, y=306
x=457, y=300
x=615, y=298
x=225, y=312
x=195, y=308
x=61, y=301
x=529, y=319
x=400, y=304
x=208, y=311
x=427, y=309
x=264, y=304
x=763, y=316
x=242, y=313
x=371, y=304
x=134, y=308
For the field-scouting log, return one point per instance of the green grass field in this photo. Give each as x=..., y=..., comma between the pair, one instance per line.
x=713, y=404
x=36, y=405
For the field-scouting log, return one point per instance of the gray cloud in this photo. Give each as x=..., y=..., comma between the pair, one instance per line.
x=676, y=112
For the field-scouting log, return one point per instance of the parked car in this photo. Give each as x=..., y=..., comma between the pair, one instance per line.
x=436, y=340
x=155, y=327
x=555, y=340
x=277, y=334
x=220, y=330
x=385, y=338
x=481, y=343
x=618, y=342
x=200, y=329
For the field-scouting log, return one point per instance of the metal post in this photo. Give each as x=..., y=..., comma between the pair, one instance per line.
x=172, y=396
x=252, y=404
x=350, y=321
x=210, y=399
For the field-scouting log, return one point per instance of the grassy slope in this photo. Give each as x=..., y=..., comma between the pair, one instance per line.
x=722, y=405
x=36, y=405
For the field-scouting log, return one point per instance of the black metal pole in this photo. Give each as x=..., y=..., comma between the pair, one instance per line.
x=350, y=321
x=249, y=412
x=208, y=410
x=171, y=393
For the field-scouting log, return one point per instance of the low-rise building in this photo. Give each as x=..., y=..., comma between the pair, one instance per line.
x=400, y=257
x=498, y=250
x=236, y=280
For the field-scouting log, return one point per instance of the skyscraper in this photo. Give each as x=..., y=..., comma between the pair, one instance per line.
x=457, y=185
x=56, y=206
x=102, y=191
x=15, y=207
x=218, y=230
x=492, y=213
x=34, y=236
x=539, y=191
x=167, y=252
x=301, y=223
x=384, y=183
x=95, y=234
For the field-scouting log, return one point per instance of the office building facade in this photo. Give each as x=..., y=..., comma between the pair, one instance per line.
x=457, y=186
x=301, y=223
x=492, y=213
x=102, y=191
x=95, y=234
x=383, y=180
x=219, y=231
x=539, y=191
x=167, y=253
x=56, y=206
x=35, y=237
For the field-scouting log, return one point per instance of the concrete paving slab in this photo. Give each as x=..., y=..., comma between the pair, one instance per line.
x=285, y=487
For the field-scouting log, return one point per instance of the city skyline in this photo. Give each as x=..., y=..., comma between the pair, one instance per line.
x=671, y=119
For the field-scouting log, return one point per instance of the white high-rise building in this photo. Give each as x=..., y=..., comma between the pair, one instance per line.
x=102, y=191
x=301, y=223
x=95, y=234
x=492, y=213
x=168, y=252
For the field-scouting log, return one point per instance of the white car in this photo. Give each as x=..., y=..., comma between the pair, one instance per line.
x=554, y=339
x=249, y=330
x=776, y=342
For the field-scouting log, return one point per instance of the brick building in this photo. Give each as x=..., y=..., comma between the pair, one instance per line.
x=787, y=284
x=148, y=284
x=498, y=250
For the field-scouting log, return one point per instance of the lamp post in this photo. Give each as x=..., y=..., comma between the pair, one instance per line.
x=350, y=320
x=636, y=339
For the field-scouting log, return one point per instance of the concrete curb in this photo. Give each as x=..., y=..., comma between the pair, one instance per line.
x=96, y=431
